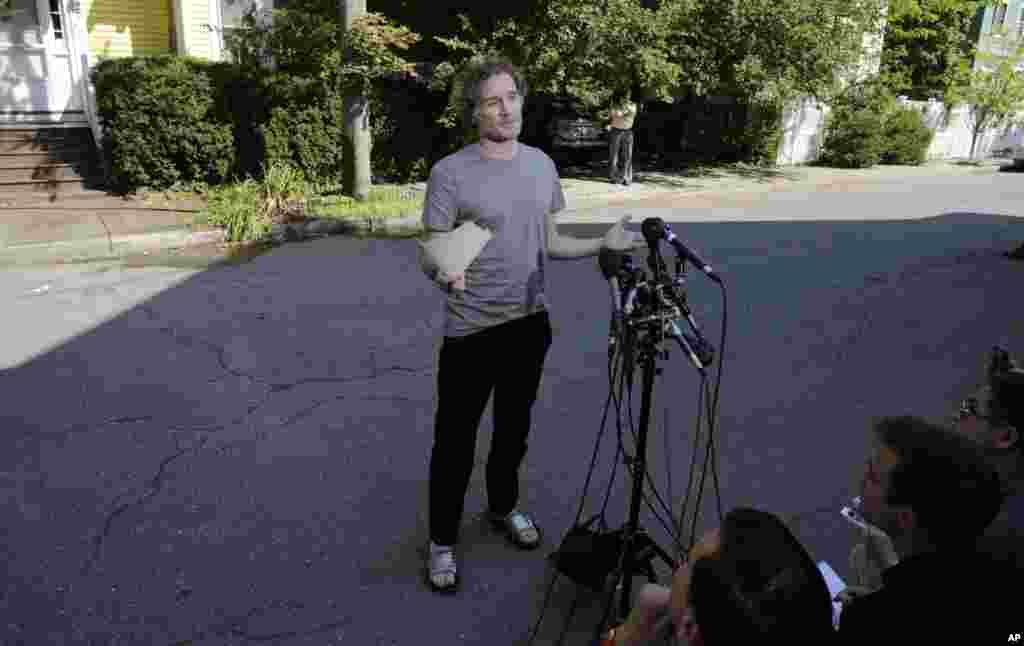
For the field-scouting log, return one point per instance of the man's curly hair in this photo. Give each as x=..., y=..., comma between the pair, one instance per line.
x=471, y=79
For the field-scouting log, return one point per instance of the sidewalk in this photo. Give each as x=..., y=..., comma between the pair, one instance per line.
x=84, y=226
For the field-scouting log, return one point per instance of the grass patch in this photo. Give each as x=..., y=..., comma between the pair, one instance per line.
x=382, y=203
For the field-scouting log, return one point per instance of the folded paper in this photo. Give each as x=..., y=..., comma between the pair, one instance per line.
x=452, y=252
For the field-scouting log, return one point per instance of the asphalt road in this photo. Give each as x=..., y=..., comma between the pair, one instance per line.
x=240, y=454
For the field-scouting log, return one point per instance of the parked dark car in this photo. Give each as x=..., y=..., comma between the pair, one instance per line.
x=566, y=130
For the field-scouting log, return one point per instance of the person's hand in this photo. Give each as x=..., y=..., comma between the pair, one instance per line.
x=608, y=127
x=618, y=239
x=449, y=282
x=852, y=593
x=879, y=548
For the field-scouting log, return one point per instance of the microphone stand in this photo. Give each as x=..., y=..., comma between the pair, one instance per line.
x=638, y=549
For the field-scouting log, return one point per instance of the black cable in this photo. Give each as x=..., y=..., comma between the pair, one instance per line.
x=583, y=498
x=693, y=463
x=713, y=409
x=718, y=388
x=626, y=353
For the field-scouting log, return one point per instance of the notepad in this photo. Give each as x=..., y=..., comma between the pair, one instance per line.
x=835, y=586
x=452, y=252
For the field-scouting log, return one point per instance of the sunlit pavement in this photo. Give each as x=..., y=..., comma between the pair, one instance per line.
x=215, y=456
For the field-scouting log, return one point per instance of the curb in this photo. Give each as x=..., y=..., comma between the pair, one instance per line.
x=407, y=225
x=90, y=249
x=403, y=225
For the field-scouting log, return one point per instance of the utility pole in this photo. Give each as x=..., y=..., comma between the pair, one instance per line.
x=356, y=138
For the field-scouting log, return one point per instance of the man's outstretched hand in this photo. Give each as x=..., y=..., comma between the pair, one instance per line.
x=448, y=282
x=618, y=239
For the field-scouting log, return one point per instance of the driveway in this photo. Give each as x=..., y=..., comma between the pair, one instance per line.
x=240, y=455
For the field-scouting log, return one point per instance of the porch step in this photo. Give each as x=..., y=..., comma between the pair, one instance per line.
x=48, y=171
x=69, y=155
x=47, y=159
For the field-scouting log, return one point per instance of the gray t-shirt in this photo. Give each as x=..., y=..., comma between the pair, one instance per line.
x=512, y=198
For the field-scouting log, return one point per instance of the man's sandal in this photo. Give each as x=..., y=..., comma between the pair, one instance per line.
x=517, y=526
x=441, y=565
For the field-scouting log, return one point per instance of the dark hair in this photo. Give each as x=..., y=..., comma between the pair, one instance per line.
x=762, y=583
x=943, y=477
x=474, y=75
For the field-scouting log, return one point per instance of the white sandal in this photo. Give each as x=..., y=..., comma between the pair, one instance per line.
x=441, y=565
x=515, y=525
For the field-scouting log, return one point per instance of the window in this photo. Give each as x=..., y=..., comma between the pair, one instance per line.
x=999, y=14
x=232, y=13
x=55, y=19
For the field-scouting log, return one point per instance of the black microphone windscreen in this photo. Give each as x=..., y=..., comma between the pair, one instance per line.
x=610, y=262
x=653, y=230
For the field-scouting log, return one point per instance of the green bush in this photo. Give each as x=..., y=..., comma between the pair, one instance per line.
x=854, y=131
x=305, y=127
x=907, y=137
x=853, y=138
x=764, y=134
x=247, y=210
x=404, y=134
x=176, y=122
x=163, y=124
x=234, y=208
x=737, y=129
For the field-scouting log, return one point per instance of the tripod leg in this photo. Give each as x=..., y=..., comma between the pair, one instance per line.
x=612, y=589
x=664, y=556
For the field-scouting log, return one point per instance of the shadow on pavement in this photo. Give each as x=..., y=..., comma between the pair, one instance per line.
x=668, y=175
x=241, y=454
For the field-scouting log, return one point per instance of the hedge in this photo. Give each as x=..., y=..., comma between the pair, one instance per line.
x=172, y=121
x=164, y=122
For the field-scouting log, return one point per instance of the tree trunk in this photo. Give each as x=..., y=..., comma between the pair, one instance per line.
x=356, y=140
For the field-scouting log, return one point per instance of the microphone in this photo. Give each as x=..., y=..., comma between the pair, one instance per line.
x=611, y=263
x=655, y=229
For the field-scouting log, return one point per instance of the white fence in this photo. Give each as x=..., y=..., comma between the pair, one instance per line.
x=803, y=131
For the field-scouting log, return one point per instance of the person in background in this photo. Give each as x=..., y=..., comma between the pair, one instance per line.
x=933, y=493
x=750, y=581
x=620, y=140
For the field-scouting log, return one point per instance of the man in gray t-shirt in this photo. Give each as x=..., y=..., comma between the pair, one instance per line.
x=497, y=332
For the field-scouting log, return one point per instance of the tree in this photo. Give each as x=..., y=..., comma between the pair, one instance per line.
x=344, y=50
x=930, y=46
x=579, y=48
x=775, y=50
x=995, y=94
x=356, y=158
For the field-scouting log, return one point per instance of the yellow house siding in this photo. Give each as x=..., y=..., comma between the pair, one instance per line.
x=196, y=17
x=118, y=28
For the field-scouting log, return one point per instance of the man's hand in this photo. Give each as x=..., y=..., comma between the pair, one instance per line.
x=852, y=593
x=880, y=550
x=448, y=282
x=618, y=239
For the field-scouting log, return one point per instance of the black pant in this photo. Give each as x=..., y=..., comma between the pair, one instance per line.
x=507, y=359
x=620, y=155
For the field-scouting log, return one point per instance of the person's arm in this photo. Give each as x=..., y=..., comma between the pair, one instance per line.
x=613, y=114
x=439, y=217
x=639, y=627
x=616, y=238
x=564, y=247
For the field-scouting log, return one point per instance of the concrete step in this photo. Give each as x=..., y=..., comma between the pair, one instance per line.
x=48, y=172
x=29, y=146
x=34, y=159
x=45, y=133
x=44, y=189
x=47, y=159
x=73, y=195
